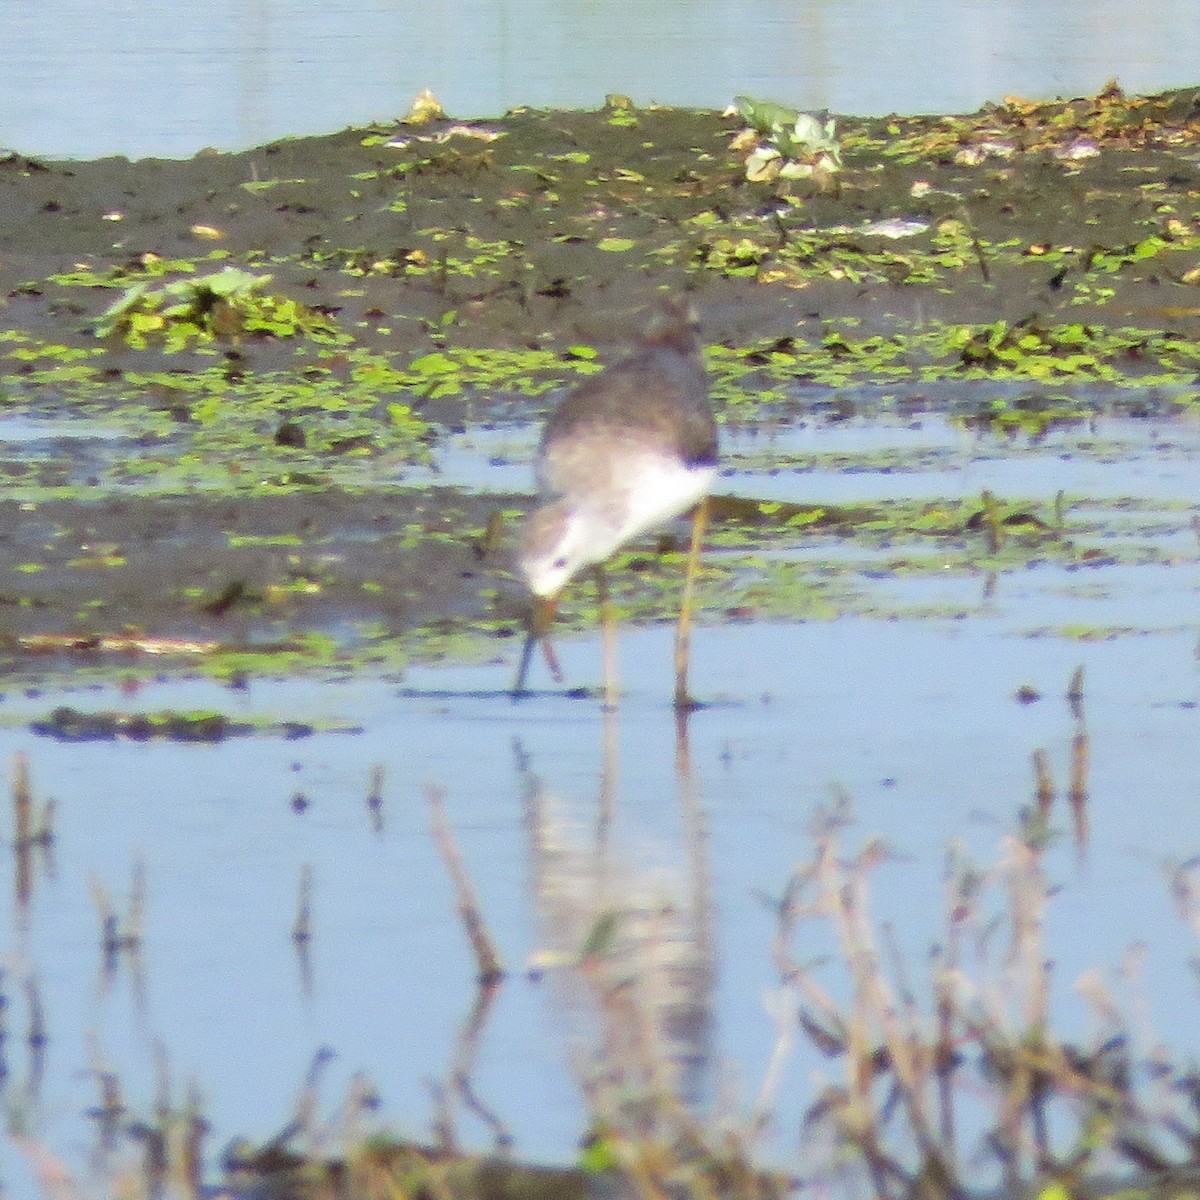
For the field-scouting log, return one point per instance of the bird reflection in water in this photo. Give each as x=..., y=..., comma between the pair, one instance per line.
x=628, y=951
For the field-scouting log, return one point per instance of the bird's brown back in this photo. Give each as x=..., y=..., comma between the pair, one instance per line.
x=661, y=389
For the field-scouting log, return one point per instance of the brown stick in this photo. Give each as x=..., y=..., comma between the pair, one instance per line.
x=22, y=798
x=1077, y=793
x=1044, y=784
x=487, y=961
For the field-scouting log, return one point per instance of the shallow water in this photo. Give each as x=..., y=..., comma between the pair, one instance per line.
x=140, y=79
x=917, y=723
x=913, y=715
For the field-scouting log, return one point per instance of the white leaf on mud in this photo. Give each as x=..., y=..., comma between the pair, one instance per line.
x=763, y=164
x=1076, y=149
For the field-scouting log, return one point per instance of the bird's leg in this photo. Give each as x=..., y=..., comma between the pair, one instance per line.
x=683, y=631
x=608, y=637
x=540, y=620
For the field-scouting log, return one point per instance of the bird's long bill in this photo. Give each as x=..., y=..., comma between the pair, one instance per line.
x=540, y=621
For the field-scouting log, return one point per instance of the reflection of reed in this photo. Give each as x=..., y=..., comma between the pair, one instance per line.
x=22, y=798
x=1077, y=789
x=121, y=940
x=488, y=980
x=32, y=831
x=632, y=962
x=462, y=1080
x=302, y=930
x=1077, y=785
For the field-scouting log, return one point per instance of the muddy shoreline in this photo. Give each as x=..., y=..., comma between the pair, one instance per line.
x=249, y=480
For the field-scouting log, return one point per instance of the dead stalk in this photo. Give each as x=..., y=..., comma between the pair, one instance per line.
x=987, y=1041
x=1044, y=791
x=375, y=796
x=1075, y=693
x=136, y=923
x=22, y=797
x=302, y=926
x=36, y=1034
x=874, y=1003
x=1077, y=793
x=992, y=525
x=487, y=961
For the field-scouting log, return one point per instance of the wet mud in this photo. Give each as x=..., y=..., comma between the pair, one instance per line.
x=448, y=275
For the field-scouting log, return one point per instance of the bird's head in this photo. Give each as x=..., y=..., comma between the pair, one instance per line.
x=555, y=544
x=674, y=324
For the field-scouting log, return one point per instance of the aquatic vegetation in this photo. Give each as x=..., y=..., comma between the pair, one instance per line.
x=1075, y=129
x=214, y=427
x=958, y=1076
x=141, y=268
x=1033, y=349
x=453, y=372
x=953, y=1062
x=227, y=306
x=67, y=724
x=1014, y=274
x=783, y=143
x=620, y=110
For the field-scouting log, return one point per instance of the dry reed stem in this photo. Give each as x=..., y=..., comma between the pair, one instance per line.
x=487, y=961
x=110, y=937
x=992, y=525
x=1060, y=510
x=874, y=1004
x=36, y=1034
x=996, y=1042
x=1044, y=790
x=22, y=798
x=1077, y=789
x=987, y=1041
x=1075, y=692
x=302, y=925
x=375, y=796
x=23, y=838
x=136, y=923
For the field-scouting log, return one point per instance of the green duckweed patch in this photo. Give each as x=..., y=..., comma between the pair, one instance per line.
x=229, y=305
x=769, y=560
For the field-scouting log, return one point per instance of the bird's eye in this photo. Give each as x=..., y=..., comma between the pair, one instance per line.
x=560, y=564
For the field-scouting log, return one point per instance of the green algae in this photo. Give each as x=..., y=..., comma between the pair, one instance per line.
x=228, y=305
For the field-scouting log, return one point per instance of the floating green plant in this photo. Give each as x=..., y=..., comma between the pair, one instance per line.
x=783, y=143
x=228, y=306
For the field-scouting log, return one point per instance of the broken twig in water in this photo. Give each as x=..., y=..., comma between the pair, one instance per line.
x=486, y=959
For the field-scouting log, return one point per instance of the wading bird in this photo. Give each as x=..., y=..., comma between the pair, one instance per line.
x=627, y=450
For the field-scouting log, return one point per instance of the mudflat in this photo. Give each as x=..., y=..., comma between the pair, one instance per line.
x=224, y=379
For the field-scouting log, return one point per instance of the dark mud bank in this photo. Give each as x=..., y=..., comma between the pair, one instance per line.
x=278, y=335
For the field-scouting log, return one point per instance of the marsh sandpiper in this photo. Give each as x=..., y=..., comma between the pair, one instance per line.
x=629, y=449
